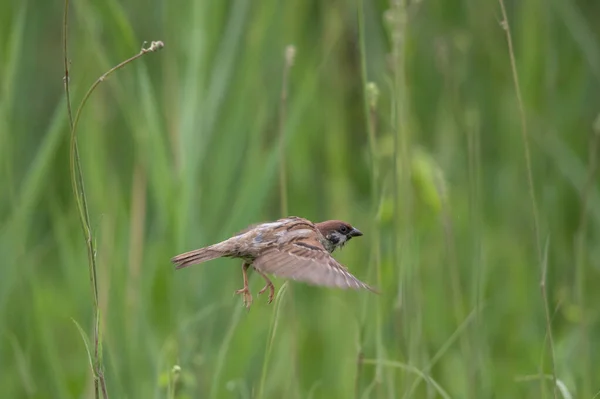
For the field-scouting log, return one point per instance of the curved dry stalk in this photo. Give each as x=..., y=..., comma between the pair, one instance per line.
x=542, y=259
x=78, y=186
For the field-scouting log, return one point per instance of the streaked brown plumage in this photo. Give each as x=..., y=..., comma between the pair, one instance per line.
x=293, y=248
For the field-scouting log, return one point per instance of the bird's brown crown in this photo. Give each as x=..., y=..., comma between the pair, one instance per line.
x=333, y=225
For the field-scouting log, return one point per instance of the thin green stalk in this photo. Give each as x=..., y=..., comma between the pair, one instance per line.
x=413, y=370
x=271, y=339
x=402, y=187
x=81, y=200
x=289, y=57
x=468, y=122
x=173, y=380
x=444, y=348
x=534, y=208
x=561, y=386
x=290, y=53
x=221, y=357
x=456, y=288
x=581, y=259
x=370, y=97
x=78, y=187
x=475, y=221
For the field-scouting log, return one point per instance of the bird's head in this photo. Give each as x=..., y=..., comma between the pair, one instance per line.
x=337, y=233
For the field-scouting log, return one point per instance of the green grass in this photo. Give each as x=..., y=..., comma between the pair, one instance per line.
x=182, y=148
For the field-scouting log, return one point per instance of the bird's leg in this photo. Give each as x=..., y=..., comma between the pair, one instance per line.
x=269, y=285
x=245, y=291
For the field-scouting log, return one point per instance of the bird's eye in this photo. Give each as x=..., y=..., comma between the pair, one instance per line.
x=343, y=229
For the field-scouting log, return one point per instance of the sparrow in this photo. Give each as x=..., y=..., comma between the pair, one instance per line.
x=292, y=247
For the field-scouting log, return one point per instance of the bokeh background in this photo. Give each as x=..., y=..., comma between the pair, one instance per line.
x=415, y=138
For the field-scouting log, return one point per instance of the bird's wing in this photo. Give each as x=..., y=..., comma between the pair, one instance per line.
x=305, y=259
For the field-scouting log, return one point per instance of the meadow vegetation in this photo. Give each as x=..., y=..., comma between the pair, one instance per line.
x=403, y=118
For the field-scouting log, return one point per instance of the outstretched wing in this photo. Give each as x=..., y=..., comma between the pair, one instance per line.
x=305, y=259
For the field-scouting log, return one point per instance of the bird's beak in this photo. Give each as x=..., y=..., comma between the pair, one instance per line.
x=355, y=233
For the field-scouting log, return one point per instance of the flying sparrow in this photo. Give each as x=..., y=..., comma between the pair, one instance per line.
x=293, y=248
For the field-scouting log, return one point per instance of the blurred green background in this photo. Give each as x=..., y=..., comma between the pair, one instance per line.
x=180, y=149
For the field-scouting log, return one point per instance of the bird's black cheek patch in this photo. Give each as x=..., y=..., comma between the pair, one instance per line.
x=334, y=239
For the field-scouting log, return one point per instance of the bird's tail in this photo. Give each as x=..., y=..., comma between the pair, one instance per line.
x=196, y=256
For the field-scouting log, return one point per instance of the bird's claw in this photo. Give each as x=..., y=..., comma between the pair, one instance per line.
x=271, y=289
x=247, y=296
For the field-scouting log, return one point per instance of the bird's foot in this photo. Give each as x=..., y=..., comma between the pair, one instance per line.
x=271, y=289
x=246, y=295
